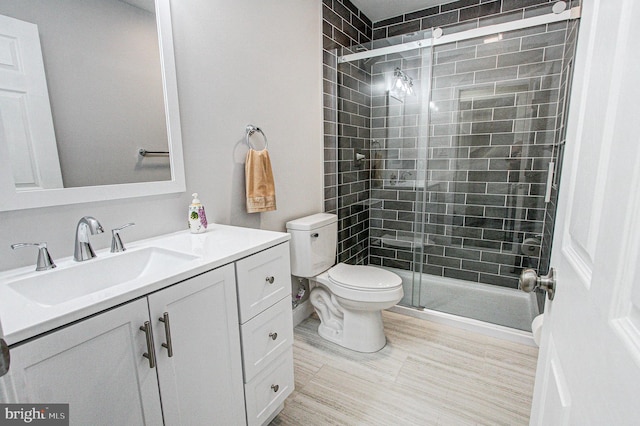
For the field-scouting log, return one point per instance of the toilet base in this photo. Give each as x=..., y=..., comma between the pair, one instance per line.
x=356, y=329
x=360, y=339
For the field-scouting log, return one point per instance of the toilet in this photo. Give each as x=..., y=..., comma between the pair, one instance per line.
x=349, y=299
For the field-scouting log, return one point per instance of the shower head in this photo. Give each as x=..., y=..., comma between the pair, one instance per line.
x=368, y=61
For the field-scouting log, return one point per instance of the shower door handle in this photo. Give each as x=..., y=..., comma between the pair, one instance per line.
x=530, y=281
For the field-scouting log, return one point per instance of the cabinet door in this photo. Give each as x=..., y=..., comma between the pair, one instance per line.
x=96, y=366
x=201, y=383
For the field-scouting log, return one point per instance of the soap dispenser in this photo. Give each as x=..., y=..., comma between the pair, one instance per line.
x=197, y=217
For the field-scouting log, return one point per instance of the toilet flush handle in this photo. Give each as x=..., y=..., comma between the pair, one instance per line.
x=315, y=235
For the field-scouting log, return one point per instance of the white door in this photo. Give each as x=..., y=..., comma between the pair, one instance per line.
x=201, y=382
x=589, y=364
x=26, y=125
x=5, y=385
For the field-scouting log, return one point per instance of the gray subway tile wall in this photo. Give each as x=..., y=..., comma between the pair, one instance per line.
x=347, y=118
x=489, y=142
x=560, y=136
x=463, y=15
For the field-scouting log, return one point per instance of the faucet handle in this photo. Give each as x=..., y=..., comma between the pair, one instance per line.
x=116, y=241
x=44, y=261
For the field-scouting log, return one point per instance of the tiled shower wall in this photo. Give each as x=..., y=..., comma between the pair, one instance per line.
x=491, y=132
x=558, y=154
x=398, y=158
x=463, y=15
x=347, y=121
x=461, y=249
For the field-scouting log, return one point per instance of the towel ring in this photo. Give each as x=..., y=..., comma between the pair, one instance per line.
x=251, y=129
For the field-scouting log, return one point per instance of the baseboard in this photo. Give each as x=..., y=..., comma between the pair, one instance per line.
x=302, y=312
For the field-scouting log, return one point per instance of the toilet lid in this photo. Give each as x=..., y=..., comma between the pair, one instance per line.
x=364, y=277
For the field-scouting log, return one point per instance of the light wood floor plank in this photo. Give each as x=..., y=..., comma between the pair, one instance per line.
x=427, y=374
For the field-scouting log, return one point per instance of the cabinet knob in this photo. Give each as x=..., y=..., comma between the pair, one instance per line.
x=275, y=388
x=273, y=336
x=270, y=280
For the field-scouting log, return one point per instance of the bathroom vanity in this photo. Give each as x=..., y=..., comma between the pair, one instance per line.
x=179, y=329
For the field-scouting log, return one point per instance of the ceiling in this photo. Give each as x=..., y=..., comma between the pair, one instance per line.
x=378, y=10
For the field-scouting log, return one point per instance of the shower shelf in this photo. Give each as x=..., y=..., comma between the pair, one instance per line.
x=369, y=203
x=407, y=184
x=406, y=242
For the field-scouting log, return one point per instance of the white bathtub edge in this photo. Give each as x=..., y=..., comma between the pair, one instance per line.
x=481, y=327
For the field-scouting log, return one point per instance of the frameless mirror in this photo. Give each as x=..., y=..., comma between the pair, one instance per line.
x=85, y=86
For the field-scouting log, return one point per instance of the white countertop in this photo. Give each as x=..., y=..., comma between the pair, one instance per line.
x=23, y=318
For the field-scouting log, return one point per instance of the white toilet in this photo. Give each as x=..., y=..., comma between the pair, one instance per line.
x=347, y=298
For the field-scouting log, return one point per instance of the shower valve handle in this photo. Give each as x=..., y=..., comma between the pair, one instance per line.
x=530, y=281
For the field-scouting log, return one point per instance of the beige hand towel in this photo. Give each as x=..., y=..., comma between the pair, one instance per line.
x=261, y=189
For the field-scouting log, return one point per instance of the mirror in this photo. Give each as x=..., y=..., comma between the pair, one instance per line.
x=81, y=93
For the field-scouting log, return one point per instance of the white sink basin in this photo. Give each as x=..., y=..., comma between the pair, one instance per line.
x=84, y=278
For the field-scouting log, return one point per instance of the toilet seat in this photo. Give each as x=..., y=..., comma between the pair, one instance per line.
x=363, y=278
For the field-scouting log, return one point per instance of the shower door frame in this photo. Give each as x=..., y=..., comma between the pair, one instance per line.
x=567, y=15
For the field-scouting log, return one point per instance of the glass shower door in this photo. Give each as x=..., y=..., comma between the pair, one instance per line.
x=400, y=86
x=493, y=113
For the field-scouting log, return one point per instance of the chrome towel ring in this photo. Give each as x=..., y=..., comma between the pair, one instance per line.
x=251, y=129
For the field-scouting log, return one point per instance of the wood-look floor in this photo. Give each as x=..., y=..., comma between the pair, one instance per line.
x=427, y=374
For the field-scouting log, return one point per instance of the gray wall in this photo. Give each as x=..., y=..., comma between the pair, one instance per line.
x=254, y=61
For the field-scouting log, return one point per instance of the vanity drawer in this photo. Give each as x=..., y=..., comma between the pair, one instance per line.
x=265, y=337
x=269, y=389
x=262, y=279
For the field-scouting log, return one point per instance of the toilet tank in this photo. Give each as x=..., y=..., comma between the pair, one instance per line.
x=313, y=244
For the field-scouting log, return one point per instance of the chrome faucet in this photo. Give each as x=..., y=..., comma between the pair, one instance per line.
x=83, y=250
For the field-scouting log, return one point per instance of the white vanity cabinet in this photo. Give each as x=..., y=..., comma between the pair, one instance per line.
x=208, y=342
x=96, y=365
x=266, y=329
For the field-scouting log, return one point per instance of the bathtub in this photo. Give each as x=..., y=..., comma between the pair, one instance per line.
x=492, y=310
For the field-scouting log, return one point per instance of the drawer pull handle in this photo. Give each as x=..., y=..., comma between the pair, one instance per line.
x=273, y=336
x=270, y=280
x=275, y=388
x=151, y=352
x=167, y=331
